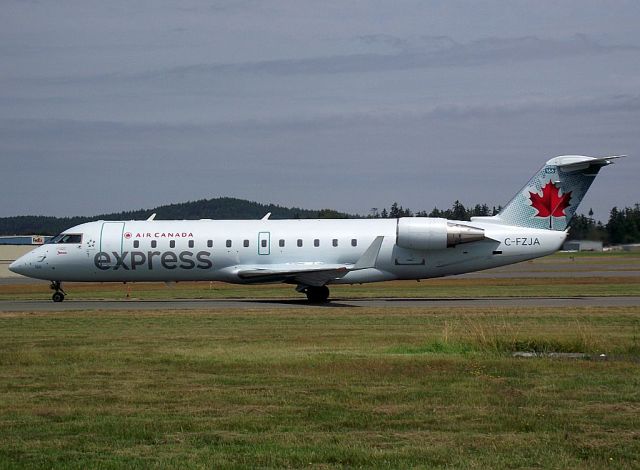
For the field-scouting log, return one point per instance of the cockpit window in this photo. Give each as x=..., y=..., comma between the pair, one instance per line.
x=66, y=238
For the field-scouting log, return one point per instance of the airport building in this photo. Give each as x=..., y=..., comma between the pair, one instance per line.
x=582, y=245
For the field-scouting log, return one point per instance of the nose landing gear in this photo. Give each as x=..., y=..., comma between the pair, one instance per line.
x=58, y=295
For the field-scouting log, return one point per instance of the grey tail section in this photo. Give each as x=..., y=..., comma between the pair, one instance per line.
x=550, y=199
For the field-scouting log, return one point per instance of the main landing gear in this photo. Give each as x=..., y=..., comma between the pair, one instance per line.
x=58, y=295
x=315, y=294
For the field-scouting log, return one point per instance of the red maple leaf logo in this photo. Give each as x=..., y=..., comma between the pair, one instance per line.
x=550, y=204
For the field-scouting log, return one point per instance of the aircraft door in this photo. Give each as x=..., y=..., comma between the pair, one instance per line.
x=264, y=243
x=111, y=238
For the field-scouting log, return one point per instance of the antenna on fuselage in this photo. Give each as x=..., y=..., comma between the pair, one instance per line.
x=152, y=216
x=266, y=216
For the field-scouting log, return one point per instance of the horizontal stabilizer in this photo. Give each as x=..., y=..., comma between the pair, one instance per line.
x=567, y=161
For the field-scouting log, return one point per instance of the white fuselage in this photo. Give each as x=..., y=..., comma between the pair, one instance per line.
x=218, y=250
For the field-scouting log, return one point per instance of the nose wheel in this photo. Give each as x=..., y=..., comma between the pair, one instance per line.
x=58, y=295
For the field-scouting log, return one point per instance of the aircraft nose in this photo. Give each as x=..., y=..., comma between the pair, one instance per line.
x=19, y=266
x=25, y=265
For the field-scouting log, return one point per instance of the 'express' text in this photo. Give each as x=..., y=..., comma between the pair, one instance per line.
x=151, y=259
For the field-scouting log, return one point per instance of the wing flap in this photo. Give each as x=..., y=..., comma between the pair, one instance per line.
x=313, y=275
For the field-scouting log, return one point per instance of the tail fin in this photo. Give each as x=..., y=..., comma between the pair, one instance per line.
x=551, y=197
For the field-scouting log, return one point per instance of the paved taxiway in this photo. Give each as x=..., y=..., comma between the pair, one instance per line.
x=251, y=304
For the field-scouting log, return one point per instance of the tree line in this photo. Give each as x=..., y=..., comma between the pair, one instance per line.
x=623, y=225
x=457, y=212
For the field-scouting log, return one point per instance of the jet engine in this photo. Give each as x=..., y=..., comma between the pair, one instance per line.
x=419, y=233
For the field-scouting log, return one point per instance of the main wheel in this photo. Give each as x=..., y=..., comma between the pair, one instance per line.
x=58, y=297
x=317, y=295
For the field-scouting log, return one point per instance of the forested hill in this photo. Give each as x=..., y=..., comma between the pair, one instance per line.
x=220, y=208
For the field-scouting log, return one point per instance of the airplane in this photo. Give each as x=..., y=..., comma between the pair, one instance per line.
x=313, y=254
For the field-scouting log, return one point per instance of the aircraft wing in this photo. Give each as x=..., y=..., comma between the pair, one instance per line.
x=309, y=274
x=315, y=274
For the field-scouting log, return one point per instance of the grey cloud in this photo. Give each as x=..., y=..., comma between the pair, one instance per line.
x=385, y=40
x=418, y=160
x=446, y=53
x=427, y=52
x=424, y=43
x=613, y=103
x=620, y=103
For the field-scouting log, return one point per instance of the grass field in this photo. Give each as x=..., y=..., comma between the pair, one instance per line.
x=324, y=388
x=345, y=387
x=433, y=288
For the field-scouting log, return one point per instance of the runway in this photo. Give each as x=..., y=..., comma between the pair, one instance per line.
x=252, y=304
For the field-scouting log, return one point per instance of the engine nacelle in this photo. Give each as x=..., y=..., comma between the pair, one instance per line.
x=420, y=233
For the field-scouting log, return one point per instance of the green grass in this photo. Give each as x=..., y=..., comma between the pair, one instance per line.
x=434, y=288
x=339, y=387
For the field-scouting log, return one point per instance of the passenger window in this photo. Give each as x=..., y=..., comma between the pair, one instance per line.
x=172, y=244
x=154, y=243
x=136, y=244
x=190, y=243
x=316, y=242
x=264, y=243
x=354, y=242
x=209, y=243
x=246, y=244
x=281, y=243
x=299, y=242
x=335, y=242
x=228, y=243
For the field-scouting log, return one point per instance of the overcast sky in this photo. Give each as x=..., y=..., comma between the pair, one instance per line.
x=118, y=105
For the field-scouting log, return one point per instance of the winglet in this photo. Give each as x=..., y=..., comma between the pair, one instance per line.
x=266, y=216
x=369, y=257
x=151, y=217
